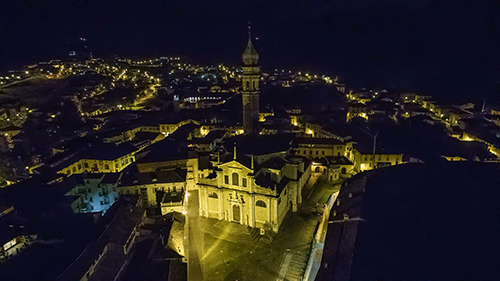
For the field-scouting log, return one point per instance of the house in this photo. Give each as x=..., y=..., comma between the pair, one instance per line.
x=99, y=158
x=6, y=138
x=105, y=258
x=315, y=148
x=154, y=186
x=94, y=192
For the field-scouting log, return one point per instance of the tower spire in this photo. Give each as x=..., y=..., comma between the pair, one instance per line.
x=250, y=56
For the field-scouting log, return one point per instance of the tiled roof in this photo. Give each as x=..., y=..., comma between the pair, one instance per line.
x=167, y=176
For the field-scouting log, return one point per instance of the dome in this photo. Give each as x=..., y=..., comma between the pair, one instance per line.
x=250, y=56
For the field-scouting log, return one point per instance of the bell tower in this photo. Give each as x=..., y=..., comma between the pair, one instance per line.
x=250, y=87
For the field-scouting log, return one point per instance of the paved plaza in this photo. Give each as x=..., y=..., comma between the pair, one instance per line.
x=220, y=250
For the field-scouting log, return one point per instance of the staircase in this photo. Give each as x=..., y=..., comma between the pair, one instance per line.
x=255, y=235
x=293, y=266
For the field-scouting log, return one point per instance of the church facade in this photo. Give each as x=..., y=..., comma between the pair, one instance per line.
x=253, y=191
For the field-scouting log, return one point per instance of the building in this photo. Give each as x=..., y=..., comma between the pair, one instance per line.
x=15, y=231
x=316, y=148
x=209, y=142
x=380, y=229
x=250, y=88
x=102, y=158
x=94, y=192
x=357, y=110
x=169, y=128
x=253, y=191
x=368, y=161
x=171, y=153
x=155, y=187
x=105, y=258
x=6, y=135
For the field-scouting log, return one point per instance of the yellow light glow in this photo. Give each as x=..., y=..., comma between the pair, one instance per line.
x=466, y=138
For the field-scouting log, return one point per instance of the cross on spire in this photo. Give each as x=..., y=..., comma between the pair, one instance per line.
x=249, y=30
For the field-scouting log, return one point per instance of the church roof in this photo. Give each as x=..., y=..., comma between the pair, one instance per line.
x=276, y=163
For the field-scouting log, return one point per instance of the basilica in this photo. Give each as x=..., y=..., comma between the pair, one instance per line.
x=253, y=190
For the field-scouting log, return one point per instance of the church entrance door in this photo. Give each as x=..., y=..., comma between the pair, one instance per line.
x=236, y=213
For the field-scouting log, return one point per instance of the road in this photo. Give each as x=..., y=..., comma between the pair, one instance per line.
x=149, y=93
x=193, y=244
x=20, y=81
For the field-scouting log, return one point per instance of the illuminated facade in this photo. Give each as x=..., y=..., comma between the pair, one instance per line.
x=167, y=129
x=323, y=147
x=250, y=88
x=253, y=193
x=365, y=162
x=96, y=193
x=99, y=165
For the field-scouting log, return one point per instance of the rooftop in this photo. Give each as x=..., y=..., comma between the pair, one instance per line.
x=400, y=236
x=166, y=176
x=259, y=144
x=323, y=141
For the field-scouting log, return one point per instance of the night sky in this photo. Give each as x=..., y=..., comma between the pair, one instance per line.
x=444, y=48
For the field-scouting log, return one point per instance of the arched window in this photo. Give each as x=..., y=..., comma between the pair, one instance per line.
x=236, y=179
x=260, y=203
x=213, y=195
x=343, y=170
x=79, y=166
x=106, y=166
x=74, y=169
